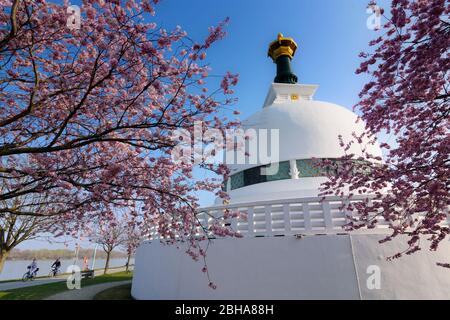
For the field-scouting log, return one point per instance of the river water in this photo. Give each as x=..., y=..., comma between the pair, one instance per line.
x=14, y=269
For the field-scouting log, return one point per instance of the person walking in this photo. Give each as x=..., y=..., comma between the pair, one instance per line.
x=85, y=263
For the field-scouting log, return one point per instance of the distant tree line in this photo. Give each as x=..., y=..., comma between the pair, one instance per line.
x=46, y=254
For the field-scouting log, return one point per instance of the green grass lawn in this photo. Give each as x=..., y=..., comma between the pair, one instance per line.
x=122, y=292
x=43, y=291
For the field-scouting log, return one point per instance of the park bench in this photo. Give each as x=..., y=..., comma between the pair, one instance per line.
x=87, y=274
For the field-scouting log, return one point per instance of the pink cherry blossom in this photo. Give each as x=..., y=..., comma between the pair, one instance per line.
x=407, y=98
x=86, y=116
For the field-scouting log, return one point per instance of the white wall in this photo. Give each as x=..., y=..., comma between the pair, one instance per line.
x=255, y=268
x=413, y=276
x=321, y=266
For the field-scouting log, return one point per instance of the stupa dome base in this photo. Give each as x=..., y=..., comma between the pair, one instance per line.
x=329, y=266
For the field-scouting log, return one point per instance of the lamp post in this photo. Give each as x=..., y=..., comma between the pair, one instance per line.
x=76, y=253
x=93, y=259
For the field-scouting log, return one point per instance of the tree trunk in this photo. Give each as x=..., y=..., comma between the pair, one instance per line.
x=108, y=254
x=3, y=255
x=128, y=262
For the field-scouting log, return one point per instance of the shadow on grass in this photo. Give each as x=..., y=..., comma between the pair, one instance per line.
x=122, y=292
x=43, y=291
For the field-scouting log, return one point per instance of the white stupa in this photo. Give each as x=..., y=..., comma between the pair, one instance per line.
x=308, y=129
x=294, y=246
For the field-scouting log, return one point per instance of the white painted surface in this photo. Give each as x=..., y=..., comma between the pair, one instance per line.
x=294, y=216
x=285, y=217
x=273, y=190
x=251, y=268
x=319, y=266
x=328, y=266
x=413, y=276
x=308, y=128
x=281, y=92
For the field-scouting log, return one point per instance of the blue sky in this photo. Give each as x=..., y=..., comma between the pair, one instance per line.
x=330, y=34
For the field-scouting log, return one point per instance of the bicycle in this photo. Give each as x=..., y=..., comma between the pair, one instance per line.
x=29, y=275
x=54, y=272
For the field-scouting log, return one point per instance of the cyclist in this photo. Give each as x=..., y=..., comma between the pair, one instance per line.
x=33, y=268
x=55, y=266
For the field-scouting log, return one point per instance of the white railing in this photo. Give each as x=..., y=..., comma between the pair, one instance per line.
x=299, y=216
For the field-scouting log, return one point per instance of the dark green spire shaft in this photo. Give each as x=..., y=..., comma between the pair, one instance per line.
x=284, y=72
x=282, y=51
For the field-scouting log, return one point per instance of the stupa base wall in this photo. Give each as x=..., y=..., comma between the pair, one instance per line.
x=313, y=267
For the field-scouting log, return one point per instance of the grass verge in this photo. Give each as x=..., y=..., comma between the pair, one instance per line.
x=43, y=291
x=122, y=292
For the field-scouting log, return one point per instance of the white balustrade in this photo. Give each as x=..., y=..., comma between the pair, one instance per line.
x=298, y=216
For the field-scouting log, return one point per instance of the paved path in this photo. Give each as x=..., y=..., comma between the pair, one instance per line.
x=20, y=284
x=86, y=293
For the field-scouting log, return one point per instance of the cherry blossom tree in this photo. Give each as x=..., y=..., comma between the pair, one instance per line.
x=87, y=113
x=133, y=239
x=407, y=99
x=109, y=234
x=15, y=229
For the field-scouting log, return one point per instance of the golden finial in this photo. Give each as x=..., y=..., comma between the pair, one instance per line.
x=280, y=36
x=282, y=46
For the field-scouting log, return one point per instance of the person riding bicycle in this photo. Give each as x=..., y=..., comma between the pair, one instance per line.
x=33, y=268
x=55, y=266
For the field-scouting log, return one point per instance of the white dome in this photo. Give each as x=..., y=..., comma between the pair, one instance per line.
x=307, y=129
